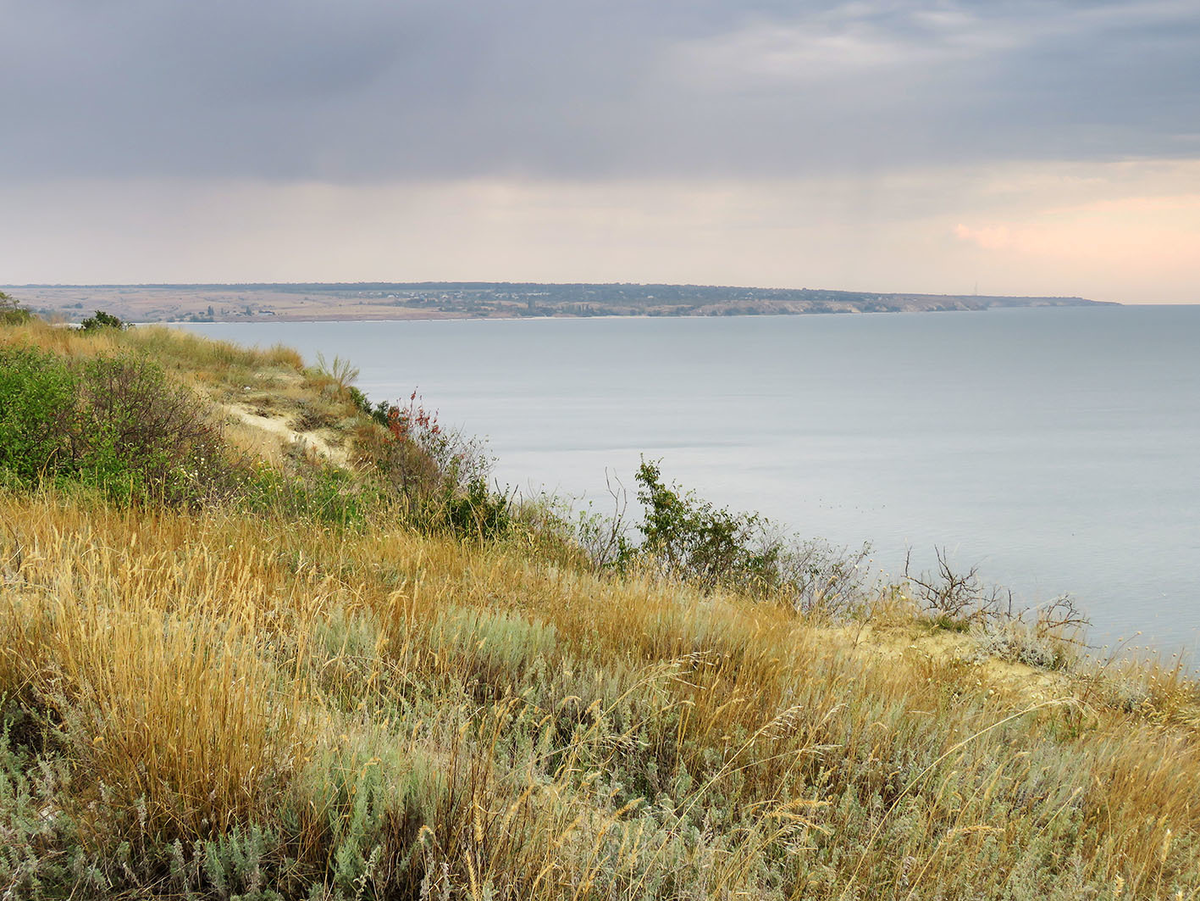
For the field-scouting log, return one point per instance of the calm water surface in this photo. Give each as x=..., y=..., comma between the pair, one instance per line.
x=1056, y=448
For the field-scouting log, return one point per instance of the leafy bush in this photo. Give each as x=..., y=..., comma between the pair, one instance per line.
x=458, y=459
x=378, y=412
x=102, y=321
x=439, y=475
x=690, y=538
x=112, y=423
x=478, y=511
x=37, y=395
x=138, y=436
x=12, y=313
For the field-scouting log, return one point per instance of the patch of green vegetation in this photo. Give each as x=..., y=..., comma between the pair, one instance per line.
x=693, y=539
x=101, y=321
x=111, y=423
x=11, y=312
x=117, y=424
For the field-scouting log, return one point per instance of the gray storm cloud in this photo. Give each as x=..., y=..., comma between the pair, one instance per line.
x=362, y=90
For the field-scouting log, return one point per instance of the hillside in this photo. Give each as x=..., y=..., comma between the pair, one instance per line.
x=459, y=300
x=309, y=656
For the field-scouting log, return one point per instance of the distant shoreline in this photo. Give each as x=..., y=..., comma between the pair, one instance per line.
x=603, y=318
x=382, y=301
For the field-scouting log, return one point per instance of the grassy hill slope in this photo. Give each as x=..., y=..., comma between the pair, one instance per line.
x=327, y=690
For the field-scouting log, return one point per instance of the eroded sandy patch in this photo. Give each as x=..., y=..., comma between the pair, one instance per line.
x=278, y=427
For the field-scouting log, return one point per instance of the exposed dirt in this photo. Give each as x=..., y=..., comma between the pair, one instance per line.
x=318, y=441
x=943, y=647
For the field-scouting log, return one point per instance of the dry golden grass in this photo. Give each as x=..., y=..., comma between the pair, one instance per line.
x=151, y=662
x=213, y=364
x=61, y=339
x=217, y=361
x=399, y=711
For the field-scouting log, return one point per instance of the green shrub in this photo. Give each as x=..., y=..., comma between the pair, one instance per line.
x=692, y=539
x=689, y=538
x=112, y=423
x=363, y=804
x=37, y=398
x=12, y=313
x=137, y=436
x=478, y=511
x=102, y=321
x=377, y=412
x=241, y=864
x=40, y=849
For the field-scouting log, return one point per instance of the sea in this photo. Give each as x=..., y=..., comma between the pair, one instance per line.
x=1055, y=449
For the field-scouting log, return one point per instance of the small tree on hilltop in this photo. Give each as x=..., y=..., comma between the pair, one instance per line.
x=11, y=312
x=102, y=321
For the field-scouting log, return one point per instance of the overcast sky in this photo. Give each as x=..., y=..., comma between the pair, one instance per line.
x=1036, y=147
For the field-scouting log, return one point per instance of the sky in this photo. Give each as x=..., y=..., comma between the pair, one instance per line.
x=1046, y=147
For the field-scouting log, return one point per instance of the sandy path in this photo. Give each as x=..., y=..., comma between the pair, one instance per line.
x=313, y=440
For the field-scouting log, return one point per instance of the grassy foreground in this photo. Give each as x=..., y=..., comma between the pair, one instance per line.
x=216, y=701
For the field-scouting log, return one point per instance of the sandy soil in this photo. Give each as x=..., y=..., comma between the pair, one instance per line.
x=942, y=648
x=279, y=427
